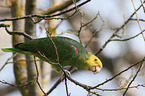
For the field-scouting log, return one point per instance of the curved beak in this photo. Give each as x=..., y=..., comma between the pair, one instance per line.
x=95, y=69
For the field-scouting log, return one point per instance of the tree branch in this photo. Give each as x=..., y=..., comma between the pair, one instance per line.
x=133, y=78
x=119, y=73
x=114, y=34
x=44, y=16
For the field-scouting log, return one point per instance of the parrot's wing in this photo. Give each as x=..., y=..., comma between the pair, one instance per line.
x=15, y=50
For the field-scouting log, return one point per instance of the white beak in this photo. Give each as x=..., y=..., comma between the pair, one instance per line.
x=95, y=69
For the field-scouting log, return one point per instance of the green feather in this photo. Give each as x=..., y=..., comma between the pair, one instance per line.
x=70, y=52
x=15, y=50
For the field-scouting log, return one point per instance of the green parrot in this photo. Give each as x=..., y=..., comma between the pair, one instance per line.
x=69, y=51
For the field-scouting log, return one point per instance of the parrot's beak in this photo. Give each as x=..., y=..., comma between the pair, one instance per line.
x=95, y=69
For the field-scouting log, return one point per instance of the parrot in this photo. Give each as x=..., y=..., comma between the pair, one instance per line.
x=69, y=51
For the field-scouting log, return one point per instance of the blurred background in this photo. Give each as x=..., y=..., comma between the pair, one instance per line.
x=116, y=56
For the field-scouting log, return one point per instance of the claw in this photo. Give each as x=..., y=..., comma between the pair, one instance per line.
x=62, y=74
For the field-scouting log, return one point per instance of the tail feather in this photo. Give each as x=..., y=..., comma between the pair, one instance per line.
x=9, y=49
x=15, y=50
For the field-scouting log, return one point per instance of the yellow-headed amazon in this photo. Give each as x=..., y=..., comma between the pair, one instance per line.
x=70, y=52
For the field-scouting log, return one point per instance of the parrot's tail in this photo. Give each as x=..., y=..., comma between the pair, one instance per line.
x=16, y=50
x=8, y=49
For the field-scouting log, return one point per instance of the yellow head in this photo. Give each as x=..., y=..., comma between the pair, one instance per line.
x=93, y=63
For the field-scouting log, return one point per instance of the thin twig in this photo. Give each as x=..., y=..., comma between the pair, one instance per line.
x=4, y=25
x=114, y=34
x=7, y=61
x=17, y=86
x=128, y=38
x=125, y=84
x=86, y=87
x=37, y=76
x=66, y=86
x=59, y=81
x=85, y=24
x=45, y=16
x=143, y=5
x=59, y=7
x=95, y=93
x=133, y=78
x=18, y=33
x=138, y=20
x=121, y=88
x=94, y=33
x=119, y=73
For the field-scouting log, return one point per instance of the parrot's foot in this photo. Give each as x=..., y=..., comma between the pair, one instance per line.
x=67, y=72
x=62, y=75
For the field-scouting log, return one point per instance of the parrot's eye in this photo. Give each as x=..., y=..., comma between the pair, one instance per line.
x=95, y=60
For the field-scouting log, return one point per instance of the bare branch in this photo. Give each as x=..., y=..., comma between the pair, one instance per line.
x=59, y=7
x=114, y=34
x=60, y=80
x=119, y=73
x=128, y=38
x=7, y=61
x=44, y=16
x=38, y=77
x=133, y=78
x=138, y=19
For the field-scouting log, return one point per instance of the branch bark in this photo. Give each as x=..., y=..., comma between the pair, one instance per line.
x=20, y=71
x=30, y=29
